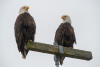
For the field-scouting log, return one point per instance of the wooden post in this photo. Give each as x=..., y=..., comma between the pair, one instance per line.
x=53, y=49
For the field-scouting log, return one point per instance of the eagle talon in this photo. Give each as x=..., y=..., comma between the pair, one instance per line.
x=30, y=41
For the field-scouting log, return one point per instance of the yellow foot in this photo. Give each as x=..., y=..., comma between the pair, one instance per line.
x=30, y=41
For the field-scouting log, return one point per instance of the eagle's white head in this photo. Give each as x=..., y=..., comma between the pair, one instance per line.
x=66, y=19
x=23, y=9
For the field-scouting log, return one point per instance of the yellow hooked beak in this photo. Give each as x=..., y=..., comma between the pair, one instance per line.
x=26, y=8
x=63, y=17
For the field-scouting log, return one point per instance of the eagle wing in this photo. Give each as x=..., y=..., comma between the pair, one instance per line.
x=18, y=33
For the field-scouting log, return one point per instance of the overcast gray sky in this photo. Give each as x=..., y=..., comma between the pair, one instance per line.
x=85, y=16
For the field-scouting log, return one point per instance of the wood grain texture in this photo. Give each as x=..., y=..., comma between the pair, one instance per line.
x=53, y=49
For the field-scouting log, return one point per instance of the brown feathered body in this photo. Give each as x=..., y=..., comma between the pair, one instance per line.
x=24, y=31
x=65, y=36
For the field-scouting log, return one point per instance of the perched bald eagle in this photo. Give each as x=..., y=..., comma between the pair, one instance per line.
x=24, y=29
x=64, y=36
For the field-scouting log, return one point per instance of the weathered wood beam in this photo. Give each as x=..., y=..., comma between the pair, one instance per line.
x=53, y=49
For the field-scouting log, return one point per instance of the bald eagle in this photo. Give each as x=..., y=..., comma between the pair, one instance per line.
x=64, y=36
x=25, y=29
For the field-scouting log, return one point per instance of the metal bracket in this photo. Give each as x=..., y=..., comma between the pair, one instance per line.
x=60, y=48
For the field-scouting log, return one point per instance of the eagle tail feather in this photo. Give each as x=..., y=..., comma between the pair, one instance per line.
x=61, y=60
x=24, y=53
